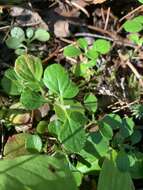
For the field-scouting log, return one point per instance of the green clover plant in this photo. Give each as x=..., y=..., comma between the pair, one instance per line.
x=81, y=142
x=69, y=124
x=88, y=56
x=35, y=87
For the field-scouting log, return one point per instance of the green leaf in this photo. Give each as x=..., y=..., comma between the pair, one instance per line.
x=111, y=178
x=28, y=68
x=102, y=46
x=60, y=112
x=71, y=90
x=140, y=43
x=33, y=143
x=68, y=107
x=33, y=86
x=127, y=128
x=20, y=51
x=90, y=102
x=13, y=43
x=105, y=129
x=42, y=127
x=42, y=35
x=91, y=63
x=54, y=127
x=132, y=158
x=92, y=54
x=87, y=165
x=72, y=134
x=134, y=38
x=122, y=161
x=78, y=177
x=117, y=140
x=136, y=169
x=132, y=26
x=89, y=161
x=31, y=100
x=136, y=137
x=29, y=33
x=82, y=43
x=72, y=105
x=71, y=51
x=81, y=70
x=84, y=69
x=57, y=80
x=98, y=143
x=141, y=1
x=36, y=172
x=112, y=120
x=18, y=33
x=139, y=19
x=10, y=83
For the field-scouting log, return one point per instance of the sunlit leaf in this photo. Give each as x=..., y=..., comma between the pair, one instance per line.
x=132, y=26
x=29, y=68
x=90, y=102
x=102, y=46
x=71, y=51
x=57, y=80
x=82, y=42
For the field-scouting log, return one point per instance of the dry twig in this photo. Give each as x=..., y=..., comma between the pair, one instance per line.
x=130, y=13
x=107, y=18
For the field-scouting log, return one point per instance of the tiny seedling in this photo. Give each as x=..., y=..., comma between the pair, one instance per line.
x=87, y=55
x=20, y=41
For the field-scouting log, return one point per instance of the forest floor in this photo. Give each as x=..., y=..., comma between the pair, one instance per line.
x=115, y=80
